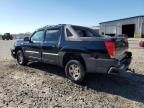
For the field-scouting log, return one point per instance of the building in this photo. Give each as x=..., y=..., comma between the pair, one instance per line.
x=133, y=27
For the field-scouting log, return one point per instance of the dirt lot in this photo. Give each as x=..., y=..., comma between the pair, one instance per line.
x=45, y=85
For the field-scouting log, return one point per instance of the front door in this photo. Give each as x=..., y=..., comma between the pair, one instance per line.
x=50, y=46
x=33, y=48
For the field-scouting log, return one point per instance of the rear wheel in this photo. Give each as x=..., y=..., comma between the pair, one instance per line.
x=75, y=71
x=20, y=58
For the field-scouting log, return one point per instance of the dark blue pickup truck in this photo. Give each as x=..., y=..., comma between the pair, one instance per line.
x=79, y=49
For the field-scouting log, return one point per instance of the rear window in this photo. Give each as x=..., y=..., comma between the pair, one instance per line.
x=85, y=32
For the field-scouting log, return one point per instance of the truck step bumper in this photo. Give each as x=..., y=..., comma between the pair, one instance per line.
x=123, y=67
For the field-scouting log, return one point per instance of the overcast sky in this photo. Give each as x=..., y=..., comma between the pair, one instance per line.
x=18, y=16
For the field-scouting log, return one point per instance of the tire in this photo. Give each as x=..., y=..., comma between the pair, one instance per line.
x=20, y=58
x=74, y=70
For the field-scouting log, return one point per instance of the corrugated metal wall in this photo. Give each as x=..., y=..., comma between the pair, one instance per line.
x=116, y=26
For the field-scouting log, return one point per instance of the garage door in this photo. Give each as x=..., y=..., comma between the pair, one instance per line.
x=110, y=30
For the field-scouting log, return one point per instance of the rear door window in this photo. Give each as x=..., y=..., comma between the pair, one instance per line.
x=52, y=35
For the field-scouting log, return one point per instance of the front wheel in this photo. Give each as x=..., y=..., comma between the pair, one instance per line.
x=75, y=71
x=20, y=58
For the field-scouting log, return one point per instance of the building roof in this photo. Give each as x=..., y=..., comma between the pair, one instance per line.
x=122, y=19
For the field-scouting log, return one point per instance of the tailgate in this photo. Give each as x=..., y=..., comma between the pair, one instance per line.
x=121, y=47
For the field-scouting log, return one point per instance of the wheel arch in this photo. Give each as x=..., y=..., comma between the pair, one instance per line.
x=17, y=49
x=73, y=56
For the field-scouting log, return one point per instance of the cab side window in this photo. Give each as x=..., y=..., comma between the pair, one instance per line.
x=38, y=37
x=52, y=35
x=69, y=34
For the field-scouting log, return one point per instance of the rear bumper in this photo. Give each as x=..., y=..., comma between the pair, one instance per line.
x=107, y=65
x=13, y=53
x=123, y=66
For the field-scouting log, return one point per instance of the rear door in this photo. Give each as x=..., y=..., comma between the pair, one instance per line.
x=33, y=48
x=50, y=46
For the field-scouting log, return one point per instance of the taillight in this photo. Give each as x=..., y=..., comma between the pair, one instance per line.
x=111, y=49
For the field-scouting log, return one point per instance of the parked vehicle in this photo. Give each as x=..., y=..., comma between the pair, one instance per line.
x=141, y=43
x=7, y=36
x=79, y=49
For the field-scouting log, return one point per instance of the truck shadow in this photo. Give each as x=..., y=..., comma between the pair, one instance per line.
x=126, y=85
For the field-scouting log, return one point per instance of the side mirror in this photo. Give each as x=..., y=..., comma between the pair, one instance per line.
x=26, y=39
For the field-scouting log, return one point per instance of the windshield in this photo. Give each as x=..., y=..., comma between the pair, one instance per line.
x=85, y=32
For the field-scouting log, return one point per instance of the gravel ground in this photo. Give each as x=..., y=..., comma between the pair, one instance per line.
x=5, y=49
x=45, y=86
